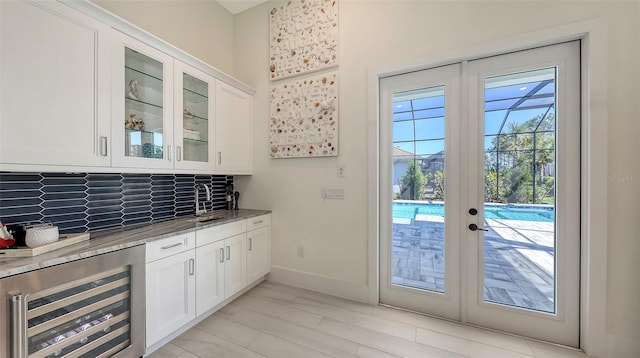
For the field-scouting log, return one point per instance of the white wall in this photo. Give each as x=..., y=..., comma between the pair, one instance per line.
x=204, y=29
x=388, y=33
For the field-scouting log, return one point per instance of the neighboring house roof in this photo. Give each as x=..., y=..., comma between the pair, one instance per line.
x=436, y=157
x=397, y=152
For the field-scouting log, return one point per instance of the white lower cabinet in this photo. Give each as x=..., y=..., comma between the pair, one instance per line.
x=189, y=275
x=170, y=285
x=210, y=278
x=258, y=247
x=221, y=264
x=235, y=267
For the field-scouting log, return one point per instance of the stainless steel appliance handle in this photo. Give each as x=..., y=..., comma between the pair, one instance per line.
x=19, y=321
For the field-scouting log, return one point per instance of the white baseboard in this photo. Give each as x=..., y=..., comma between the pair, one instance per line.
x=328, y=285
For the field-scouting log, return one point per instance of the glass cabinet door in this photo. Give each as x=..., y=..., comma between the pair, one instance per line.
x=143, y=104
x=141, y=120
x=194, y=118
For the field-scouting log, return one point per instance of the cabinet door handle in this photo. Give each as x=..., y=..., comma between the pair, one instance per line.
x=192, y=267
x=169, y=152
x=250, y=244
x=171, y=246
x=219, y=157
x=178, y=153
x=221, y=254
x=19, y=319
x=228, y=253
x=103, y=146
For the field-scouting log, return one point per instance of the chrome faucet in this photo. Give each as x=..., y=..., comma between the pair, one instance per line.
x=204, y=208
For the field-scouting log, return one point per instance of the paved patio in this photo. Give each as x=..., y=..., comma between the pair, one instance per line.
x=518, y=267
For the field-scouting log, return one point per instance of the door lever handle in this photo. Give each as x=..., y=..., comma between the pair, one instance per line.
x=474, y=227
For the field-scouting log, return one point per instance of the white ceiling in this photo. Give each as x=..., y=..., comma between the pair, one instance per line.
x=237, y=6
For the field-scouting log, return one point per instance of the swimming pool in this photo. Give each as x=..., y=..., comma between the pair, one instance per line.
x=409, y=210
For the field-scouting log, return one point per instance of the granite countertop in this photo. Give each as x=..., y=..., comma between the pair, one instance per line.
x=118, y=239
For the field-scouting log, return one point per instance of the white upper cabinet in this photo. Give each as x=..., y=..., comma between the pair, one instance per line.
x=142, y=97
x=234, y=135
x=82, y=94
x=194, y=116
x=54, y=83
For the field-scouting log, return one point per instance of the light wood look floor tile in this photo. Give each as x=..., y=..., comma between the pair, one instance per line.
x=282, y=311
x=320, y=341
x=233, y=332
x=273, y=320
x=206, y=345
x=463, y=346
x=274, y=347
x=368, y=352
x=495, y=339
x=314, y=296
x=384, y=342
x=323, y=342
x=172, y=351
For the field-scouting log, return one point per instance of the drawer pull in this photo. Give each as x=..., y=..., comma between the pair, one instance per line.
x=103, y=146
x=171, y=246
x=258, y=222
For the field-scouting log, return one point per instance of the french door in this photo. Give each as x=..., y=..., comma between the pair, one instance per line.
x=479, y=192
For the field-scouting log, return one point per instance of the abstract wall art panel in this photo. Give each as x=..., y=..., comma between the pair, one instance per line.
x=303, y=37
x=304, y=118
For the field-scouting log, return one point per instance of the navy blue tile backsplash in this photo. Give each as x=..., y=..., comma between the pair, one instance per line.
x=81, y=202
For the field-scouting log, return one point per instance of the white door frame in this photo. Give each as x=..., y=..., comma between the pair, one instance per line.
x=594, y=118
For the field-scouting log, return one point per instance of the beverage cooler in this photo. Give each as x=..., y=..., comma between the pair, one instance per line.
x=92, y=307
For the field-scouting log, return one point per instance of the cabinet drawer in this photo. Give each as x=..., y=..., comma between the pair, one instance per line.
x=258, y=222
x=217, y=233
x=170, y=246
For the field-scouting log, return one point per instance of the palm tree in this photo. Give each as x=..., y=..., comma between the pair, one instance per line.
x=521, y=154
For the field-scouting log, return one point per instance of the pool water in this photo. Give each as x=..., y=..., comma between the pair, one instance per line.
x=491, y=211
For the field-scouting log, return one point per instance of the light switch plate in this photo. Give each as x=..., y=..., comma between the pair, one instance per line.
x=334, y=193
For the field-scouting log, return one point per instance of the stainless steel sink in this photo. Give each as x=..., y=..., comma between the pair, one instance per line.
x=208, y=217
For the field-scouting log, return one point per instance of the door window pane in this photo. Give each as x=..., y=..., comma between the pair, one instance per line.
x=432, y=128
x=519, y=208
x=418, y=189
